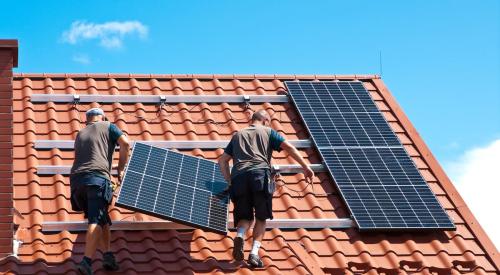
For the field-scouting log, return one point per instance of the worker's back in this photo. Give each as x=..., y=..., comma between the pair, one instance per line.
x=251, y=186
x=93, y=151
x=252, y=148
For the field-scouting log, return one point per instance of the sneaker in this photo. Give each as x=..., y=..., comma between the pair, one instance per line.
x=84, y=268
x=109, y=262
x=255, y=261
x=238, y=249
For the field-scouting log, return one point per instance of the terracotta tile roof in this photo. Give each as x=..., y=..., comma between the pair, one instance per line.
x=40, y=199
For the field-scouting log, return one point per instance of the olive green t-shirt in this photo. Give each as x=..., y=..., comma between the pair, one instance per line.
x=252, y=148
x=94, y=148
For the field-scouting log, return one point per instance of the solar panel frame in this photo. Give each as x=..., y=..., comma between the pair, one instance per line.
x=321, y=146
x=319, y=113
x=214, y=209
x=430, y=206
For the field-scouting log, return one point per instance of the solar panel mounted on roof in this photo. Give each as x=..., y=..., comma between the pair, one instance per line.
x=176, y=187
x=350, y=129
x=377, y=179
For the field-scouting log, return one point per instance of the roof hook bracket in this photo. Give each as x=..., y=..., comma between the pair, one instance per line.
x=275, y=171
x=76, y=99
x=163, y=100
x=246, y=101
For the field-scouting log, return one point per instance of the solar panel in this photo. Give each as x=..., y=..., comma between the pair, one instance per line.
x=174, y=186
x=384, y=189
x=376, y=177
x=350, y=129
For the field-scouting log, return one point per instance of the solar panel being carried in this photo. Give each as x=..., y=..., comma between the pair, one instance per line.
x=377, y=179
x=174, y=186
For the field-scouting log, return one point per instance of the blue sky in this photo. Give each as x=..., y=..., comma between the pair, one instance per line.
x=441, y=59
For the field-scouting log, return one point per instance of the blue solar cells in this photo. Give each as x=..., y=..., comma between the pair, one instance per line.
x=175, y=186
x=350, y=129
x=376, y=177
x=371, y=166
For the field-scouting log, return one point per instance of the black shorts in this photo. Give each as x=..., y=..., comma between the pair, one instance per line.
x=252, y=191
x=92, y=195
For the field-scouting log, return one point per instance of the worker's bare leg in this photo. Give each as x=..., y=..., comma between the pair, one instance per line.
x=258, y=234
x=108, y=259
x=243, y=224
x=259, y=229
x=239, y=240
x=93, y=237
x=105, y=243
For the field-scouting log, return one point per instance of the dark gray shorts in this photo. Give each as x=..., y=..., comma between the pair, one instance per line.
x=92, y=195
x=250, y=192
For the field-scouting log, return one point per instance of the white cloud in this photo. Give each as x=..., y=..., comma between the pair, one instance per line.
x=476, y=174
x=82, y=59
x=109, y=34
x=453, y=145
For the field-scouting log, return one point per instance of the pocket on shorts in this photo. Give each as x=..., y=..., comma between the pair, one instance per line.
x=108, y=191
x=270, y=185
x=259, y=181
x=75, y=199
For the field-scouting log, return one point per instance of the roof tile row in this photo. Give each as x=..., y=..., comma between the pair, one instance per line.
x=40, y=198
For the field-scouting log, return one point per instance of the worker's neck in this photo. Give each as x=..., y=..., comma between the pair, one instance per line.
x=257, y=122
x=93, y=121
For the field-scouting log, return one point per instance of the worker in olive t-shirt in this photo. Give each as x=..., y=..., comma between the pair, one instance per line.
x=251, y=187
x=90, y=182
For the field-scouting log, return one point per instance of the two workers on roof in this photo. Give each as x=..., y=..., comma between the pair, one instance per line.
x=251, y=185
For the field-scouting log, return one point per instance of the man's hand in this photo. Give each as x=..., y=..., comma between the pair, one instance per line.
x=119, y=171
x=124, y=152
x=120, y=176
x=224, y=168
x=309, y=174
x=228, y=186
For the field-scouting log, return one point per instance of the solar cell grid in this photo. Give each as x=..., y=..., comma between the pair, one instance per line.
x=350, y=129
x=372, y=166
x=330, y=97
x=174, y=186
x=378, y=180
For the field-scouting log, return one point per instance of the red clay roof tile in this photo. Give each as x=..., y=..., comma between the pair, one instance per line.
x=46, y=198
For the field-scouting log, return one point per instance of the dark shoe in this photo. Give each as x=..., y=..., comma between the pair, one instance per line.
x=84, y=268
x=255, y=261
x=238, y=249
x=109, y=262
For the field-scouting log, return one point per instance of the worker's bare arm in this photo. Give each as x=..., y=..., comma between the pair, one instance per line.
x=124, y=154
x=292, y=151
x=224, y=167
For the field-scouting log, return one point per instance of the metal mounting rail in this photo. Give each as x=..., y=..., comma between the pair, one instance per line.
x=152, y=99
x=283, y=169
x=340, y=223
x=177, y=144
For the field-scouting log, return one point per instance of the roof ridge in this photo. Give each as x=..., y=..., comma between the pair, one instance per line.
x=198, y=76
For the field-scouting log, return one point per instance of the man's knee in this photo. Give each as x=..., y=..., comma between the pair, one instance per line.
x=99, y=220
x=94, y=225
x=260, y=223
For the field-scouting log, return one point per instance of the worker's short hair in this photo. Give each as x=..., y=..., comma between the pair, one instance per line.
x=95, y=112
x=260, y=115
